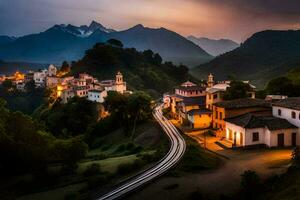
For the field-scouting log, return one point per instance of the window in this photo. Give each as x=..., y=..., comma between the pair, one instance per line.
x=279, y=112
x=221, y=115
x=255, y=137
x=209, y=96
x=216, y=114
x=293, y=115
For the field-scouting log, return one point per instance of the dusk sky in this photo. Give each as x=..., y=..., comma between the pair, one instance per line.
x=233, y=19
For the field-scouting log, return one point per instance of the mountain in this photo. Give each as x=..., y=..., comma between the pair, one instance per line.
x=170, y=45
x=263, y=56
x=214, y=47
x=6, y=39
x=83, y=31
x=68, y=42
x=142, y=70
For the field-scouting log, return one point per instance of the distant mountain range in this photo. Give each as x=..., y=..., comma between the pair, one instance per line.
x=263, y=56
x=68, y=42
x=214, y=47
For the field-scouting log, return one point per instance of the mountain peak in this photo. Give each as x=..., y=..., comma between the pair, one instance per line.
x=95, y=25
x=138, y=26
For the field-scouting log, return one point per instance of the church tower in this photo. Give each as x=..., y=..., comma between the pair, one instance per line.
x=120, y=85
x=119, y=78
x=210, y=81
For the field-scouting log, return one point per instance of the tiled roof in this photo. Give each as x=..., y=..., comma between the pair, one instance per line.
x=243, y=103
x=191, y=88
x=292, y=103
x=198, y=112
x=251, y=121
x=188, y=101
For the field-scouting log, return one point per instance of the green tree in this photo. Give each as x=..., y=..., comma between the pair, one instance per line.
x=65, y=67
x=139, y=105
x=280, y=86
x=115, y=42
x=70, y=151
x=236, y=90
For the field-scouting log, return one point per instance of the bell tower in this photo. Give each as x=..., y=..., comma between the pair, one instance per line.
x=210, y=81
x=119, y=78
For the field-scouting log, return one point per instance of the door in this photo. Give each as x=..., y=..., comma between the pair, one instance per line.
x=241, y=139
x=294, y=139
x=280, y=140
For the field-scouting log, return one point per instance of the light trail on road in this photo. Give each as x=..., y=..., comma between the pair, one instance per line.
x=175, y=153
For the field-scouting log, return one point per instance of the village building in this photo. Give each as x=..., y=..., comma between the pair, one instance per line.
x=52, y=70
x=97, y=95
x=234, y=108
x=52, y=81
x=189, y=107
x=66, y=94
x=117, y=85
x=275, y=97
x=252, y=130
x=288, y=109
x=39, y=78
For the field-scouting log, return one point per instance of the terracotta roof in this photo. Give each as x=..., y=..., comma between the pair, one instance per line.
x=243, y=103
x=251, y=121
x=292, y=103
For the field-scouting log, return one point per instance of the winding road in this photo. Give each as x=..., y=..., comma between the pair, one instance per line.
x=176, y=151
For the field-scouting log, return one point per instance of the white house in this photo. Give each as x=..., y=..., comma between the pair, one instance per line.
x=52, y=70
x=288, y=109
x=249, y=130
x=97, y=95
x=40, y=78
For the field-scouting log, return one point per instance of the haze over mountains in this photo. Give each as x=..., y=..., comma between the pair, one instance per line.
x=68, y=42
x=263, y=56
x=214, y=47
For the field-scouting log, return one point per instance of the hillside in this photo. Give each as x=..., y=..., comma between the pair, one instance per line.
x=141, y=70
x=214, y=47
x=12, y=67
x=68, y=42
x=260, y=58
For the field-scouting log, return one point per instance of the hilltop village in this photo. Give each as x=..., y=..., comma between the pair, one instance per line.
x=66, y=87
x=246, y=122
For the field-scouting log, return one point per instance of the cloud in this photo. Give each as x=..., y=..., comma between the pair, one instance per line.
x=236, y=19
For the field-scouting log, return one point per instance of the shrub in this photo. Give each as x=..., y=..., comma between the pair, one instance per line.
x=127, y=168
x=250, y=184
x=92, y=169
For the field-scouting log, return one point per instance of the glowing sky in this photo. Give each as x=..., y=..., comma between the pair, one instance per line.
x=234, y=19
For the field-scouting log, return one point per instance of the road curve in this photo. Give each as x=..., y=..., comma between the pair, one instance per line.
x=176, y=151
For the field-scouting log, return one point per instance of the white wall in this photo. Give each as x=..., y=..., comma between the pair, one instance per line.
x=239, y=131
x=249, y=136
x=273, y=142
x=97, y=96
x=286, y=113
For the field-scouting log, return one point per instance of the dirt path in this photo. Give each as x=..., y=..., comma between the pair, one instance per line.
x=224, y=180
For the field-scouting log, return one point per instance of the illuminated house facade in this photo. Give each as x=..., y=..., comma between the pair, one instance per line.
x=188, y=105
x=270, y=131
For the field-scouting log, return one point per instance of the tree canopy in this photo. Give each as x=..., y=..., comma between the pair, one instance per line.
x=237, y=90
